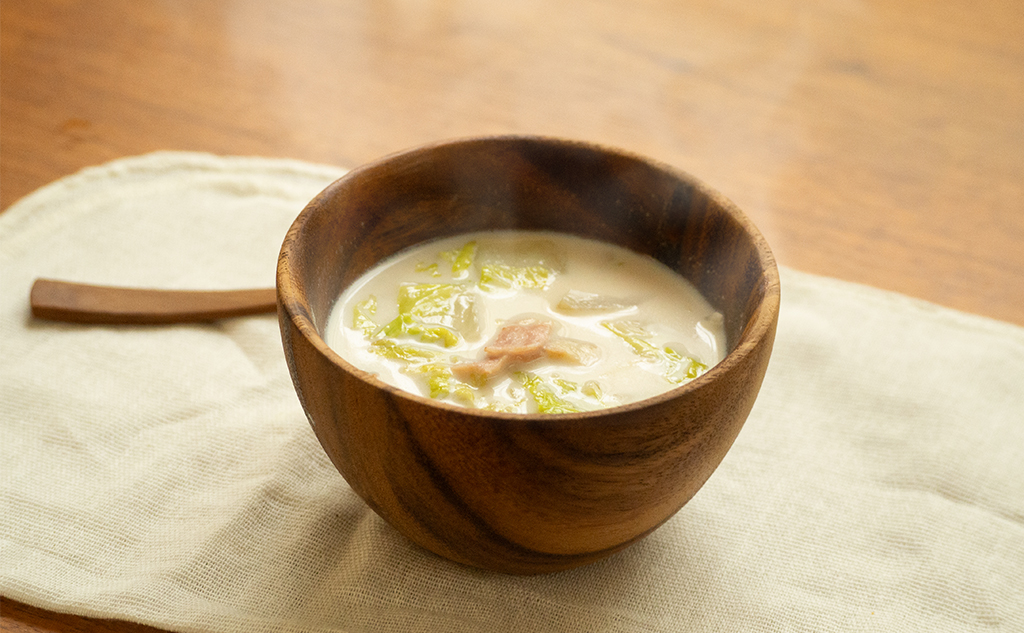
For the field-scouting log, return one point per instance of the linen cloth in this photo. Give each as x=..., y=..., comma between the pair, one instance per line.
x=167, y=475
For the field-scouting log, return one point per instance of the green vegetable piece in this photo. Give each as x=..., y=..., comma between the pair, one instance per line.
x=362, y=317
x=502, y=407
x=633, y=334
x=464, y=393
x=430, y=269
x=441, y=382
x=543, y=395
x=437, y=376
x=576, y=301
x=407, y=353
x=567, y=386
x=678, y=368
x=593, y=389
x=693, y=367
x=461, y=259
x=434, y=313
x=426, y=300
x=506, y=277
x=406, y=325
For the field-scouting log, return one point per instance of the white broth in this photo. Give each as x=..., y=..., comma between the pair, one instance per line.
x=526, y=322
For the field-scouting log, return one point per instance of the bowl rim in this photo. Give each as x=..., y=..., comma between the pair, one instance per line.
x=764, y=320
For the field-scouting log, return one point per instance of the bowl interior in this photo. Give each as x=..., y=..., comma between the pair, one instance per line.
x=539, y=184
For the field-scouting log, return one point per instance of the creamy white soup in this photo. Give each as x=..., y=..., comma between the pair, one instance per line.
x=526, y=322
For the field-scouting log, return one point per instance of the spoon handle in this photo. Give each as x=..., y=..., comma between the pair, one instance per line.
x=83, y=303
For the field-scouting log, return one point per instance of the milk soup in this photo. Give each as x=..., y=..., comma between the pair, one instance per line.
x=526, y=322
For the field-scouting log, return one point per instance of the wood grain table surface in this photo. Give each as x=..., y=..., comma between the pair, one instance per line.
x=874, y=141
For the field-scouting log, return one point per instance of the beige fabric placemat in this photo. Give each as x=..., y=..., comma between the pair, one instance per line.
x=167, y=475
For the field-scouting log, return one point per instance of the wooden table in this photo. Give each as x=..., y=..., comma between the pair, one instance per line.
x=875, y=141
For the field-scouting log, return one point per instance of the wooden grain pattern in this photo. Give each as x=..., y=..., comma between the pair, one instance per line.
x=58, y=300
x=874, y=141
x=525, y=493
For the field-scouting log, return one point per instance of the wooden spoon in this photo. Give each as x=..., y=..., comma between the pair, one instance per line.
x=83, y=303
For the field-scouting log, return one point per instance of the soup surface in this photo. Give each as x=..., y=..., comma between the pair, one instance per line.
x=526, y=322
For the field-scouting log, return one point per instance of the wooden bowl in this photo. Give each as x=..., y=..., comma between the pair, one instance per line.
x=512, y=492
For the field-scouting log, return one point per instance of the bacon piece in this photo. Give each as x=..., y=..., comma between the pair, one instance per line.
x=570, y=350
x=517, y=342
x=477, y=372
x=521, y=341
